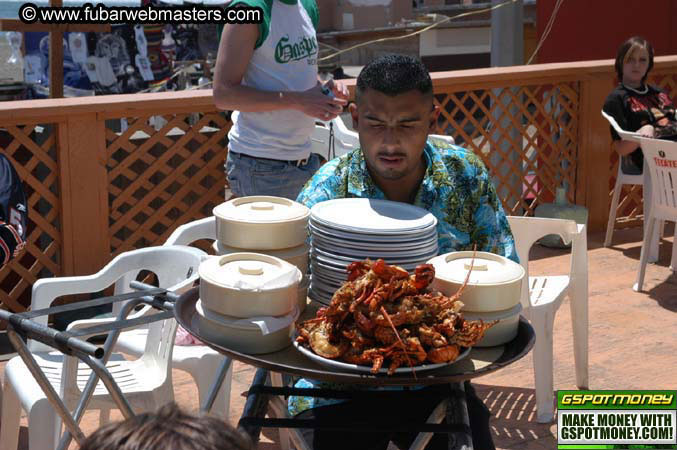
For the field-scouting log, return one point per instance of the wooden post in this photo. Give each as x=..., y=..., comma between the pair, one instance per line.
x=594, y=145
x=84, y=194
x=56, y=59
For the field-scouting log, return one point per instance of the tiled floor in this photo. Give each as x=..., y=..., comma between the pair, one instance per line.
x=633, y=344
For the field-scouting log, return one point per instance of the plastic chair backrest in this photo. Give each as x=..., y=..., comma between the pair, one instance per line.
x=193, y=231
x=527, y=230
x=176, y=267
x=661, y=159
x=624, y=134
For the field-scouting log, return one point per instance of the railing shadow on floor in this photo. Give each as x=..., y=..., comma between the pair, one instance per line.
x=513, y=418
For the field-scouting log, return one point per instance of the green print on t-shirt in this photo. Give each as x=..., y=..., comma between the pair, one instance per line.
x=286, y=52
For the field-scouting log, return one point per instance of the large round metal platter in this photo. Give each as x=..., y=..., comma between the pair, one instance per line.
x=358, y=368
x=374, y=235
x=372, y=216
x=323, y=240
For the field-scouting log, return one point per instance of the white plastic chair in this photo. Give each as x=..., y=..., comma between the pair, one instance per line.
x=345, y=140
x=145, y=382
x=621, y=179
x=199, y=361
x=662, y=186
x=543, y=295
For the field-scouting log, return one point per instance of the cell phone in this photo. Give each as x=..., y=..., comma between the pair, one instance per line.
x=328, y=92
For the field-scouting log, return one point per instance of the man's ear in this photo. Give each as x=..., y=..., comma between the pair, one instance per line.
x=353, y=113
x=434, y=114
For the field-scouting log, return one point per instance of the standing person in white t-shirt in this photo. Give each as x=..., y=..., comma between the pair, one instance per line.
x=267, y=73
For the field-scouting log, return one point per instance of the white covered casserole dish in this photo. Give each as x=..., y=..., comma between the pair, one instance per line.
x=261, y=223
x=248, y=284
x=495, y=282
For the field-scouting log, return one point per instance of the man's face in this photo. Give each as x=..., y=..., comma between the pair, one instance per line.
x=393, y=131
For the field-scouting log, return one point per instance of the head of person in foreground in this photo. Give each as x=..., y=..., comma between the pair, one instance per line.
x=169, y=428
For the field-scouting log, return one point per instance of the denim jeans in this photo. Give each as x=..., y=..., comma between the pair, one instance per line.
x=255, y=176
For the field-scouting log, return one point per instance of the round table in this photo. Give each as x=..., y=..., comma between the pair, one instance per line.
x=480, y=361
x=290, y=360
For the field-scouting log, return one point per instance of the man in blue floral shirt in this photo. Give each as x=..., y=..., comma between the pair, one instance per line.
x=394, y=114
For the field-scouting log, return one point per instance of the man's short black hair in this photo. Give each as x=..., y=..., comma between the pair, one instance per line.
x=394, y=74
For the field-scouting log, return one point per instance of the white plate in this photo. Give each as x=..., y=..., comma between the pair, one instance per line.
x=379, y=216
x=392, y=254
x=322, y=240
x=337, y=258
x=326, y=287
x=328, y=277
x=357, y=368
x=319, y=296
x=369, y=235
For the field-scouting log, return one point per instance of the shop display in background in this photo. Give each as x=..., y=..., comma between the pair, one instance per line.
x=127, y=59
x=11, y=60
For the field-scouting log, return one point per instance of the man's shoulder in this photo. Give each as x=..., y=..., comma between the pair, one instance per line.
x=337, y=167
x=456, y=158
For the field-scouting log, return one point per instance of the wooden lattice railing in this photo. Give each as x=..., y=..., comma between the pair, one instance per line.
x=526, y=135
x=112, y=173
x=159, y=179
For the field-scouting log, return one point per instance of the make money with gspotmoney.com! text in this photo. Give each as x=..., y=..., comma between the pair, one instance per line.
x=102, y=14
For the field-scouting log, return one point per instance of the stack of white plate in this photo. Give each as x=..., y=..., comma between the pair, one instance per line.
x=353, y=229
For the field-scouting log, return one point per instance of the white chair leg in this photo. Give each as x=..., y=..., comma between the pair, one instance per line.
x=44, y=426
x=655, y=241
x=204, y=377
x=11, y=417
x=644, y=255
x=673, y=260
x=612, y=211
x=542, y=321
x=579, y=315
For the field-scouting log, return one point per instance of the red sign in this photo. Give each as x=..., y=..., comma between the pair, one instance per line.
x=665, y=162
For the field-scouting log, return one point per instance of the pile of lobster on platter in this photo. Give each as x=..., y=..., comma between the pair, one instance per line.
x=382, y=315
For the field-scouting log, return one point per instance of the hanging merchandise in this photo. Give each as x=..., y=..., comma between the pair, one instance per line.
x=33, y=69
x=143, y=64
x=11, y=60
x=112, y=47
x=90, y=68
x=168, y=46
x=105, y=72
x=141, y=41
x=14, y=39
x=77, y=44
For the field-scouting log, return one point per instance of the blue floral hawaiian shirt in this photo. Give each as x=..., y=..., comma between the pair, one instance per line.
x=456, y=189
